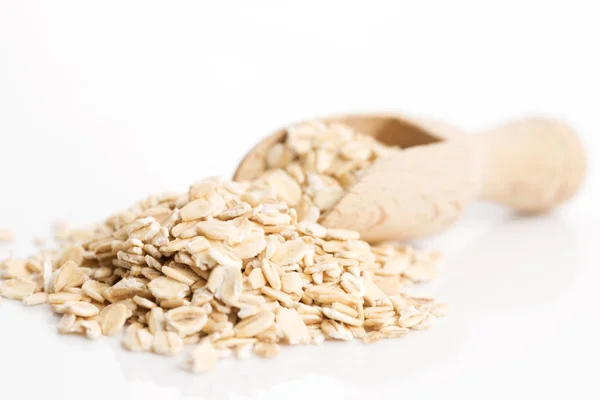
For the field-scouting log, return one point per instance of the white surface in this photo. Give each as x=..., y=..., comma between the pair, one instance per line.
x=104, y=102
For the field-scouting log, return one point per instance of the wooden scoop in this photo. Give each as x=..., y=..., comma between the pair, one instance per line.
x=531, y=165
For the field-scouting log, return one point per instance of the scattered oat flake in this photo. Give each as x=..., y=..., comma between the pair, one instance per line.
x=204, y=357
x=35, y=299
x=17, y=288
x=137, y=338
x=167, y=343
x=266, y=350
x=372, y=337
x=255, y=324
x=91, y=328
x=6, y=235
x=113, y=319
x=81, y=309
x=292, y=325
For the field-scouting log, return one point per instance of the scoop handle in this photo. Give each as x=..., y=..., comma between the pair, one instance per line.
x=531, y=164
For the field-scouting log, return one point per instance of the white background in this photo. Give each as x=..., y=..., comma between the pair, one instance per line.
x=104, y=102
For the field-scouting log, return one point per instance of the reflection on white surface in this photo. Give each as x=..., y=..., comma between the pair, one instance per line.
x=510, y=292
x=523, y=263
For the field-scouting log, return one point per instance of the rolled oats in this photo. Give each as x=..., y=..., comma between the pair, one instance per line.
x=336, y=330
x=36, y=299
x=137, y=338
x=81, y=309
x=372, y=337
x=91, y=328
x=62, y=297
x=112, y=319
x=156, y=320
x=421, y=271
x=186, y=320
x=17, y=288
x=6, y=235
x=291, y=323
x=204, y=357
x=236, y=267
x=255, y=324
x=180, y=274
x=439, y=310
x=243, y=351
x=341, y=317
x=14, y=268
x=143, y=302
x=411, y=317
x=167, y=288
x=68, y=275
x=67, y=324
x=173, y=303
x=94, y=289
x=256, y=279
x=290, y=252
x=266, y=350
x=167, y=343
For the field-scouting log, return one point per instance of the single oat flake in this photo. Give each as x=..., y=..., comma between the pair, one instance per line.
x=6, y=235
x=235, y=268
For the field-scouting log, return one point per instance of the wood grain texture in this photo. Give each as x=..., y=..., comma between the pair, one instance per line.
x=417, y=192
x=531, y=165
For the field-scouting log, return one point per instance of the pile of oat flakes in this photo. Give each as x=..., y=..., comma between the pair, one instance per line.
x=235, y=267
